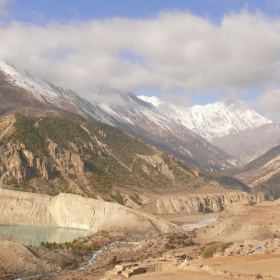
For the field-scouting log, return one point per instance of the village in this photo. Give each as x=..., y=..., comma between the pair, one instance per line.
x=172, y=260
x=249, y=247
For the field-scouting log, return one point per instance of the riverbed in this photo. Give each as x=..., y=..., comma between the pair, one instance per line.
x=190, y=222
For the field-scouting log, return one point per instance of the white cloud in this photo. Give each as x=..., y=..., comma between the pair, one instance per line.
x=269, y=101
x=174, y=52
x=3, y=3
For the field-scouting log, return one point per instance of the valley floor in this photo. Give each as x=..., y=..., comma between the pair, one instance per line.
x=246, y=268
x=237, y=224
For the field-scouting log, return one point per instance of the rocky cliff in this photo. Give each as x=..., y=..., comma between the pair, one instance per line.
x=63, y=154
x=24, y=92
x=73, y=211
x=205, y=203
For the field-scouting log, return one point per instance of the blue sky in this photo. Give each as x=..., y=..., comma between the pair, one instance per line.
x=65, y=10
x=201, y=50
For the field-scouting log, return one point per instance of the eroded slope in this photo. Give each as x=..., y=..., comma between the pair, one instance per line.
x=54, y=154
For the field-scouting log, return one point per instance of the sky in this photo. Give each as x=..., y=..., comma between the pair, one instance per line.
x=184, y=51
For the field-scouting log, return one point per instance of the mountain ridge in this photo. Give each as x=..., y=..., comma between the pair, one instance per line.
x=248, y=145
x=54, y=154
x=26, y=93
x=212, y=120
x=262, y=174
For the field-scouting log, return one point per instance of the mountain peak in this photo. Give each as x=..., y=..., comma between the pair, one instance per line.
x=151, y=99
x=24, y=92
x=212, y=120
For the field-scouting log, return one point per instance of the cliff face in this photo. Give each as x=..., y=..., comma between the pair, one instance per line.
x=73, y=211
x=21, y=164
x=204, y=203
x=62, y=154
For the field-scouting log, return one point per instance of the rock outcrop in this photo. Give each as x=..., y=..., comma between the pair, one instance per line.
x=73, y=211
x=16, y=260
x=50, y=155
x=22, y=164
x=204, y=203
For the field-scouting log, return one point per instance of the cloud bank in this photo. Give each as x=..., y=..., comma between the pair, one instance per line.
x=174, y=52
x=3, y=4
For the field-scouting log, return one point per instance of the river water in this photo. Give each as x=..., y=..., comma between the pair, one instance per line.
x=203, y=223
x=35, y=235
x=89, y=262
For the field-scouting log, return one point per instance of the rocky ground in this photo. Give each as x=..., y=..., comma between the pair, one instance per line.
x=237, y=224
x=251, y=267
x=258, y=222
x=54, y=258
x=17, y=260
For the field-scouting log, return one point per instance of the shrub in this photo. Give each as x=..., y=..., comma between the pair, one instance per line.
x=169, y=246
x=118, y=198
x=115, y=260
x=210, y=250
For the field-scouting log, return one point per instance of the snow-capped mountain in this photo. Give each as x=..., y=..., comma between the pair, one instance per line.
x=24, y=92
x=151, y=124
x=39, y=96
x=212, y=120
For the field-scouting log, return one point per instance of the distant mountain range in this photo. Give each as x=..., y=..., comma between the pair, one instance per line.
x=91, y=158
x=249, y=144
x=181, y=131
x=22, y=91
x=262, y=174
x=212, y=120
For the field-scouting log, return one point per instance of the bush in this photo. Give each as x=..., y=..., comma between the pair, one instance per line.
x=118, y=198
x=169, y=246
x=135, y=198
x=210, y=250
x=115, y=260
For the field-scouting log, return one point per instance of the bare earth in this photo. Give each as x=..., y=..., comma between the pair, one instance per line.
x=245, y=267
x=16, y=260
x=257, y=222
x=188, y=219
x=177, y=275
x=266, y=266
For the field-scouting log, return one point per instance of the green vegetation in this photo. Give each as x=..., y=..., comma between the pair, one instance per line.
x=34, y=132
x=12, y=181
x=115, y=260
x=107, y=156
x=115, y=162
x=210, y=250
x=135, y=197
x=118, y=198
x=179, y=240
x=169, y=246
x=224, y=180
x=123, y=144
x=63, y=131
x=74, y=245
x=29, y=134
